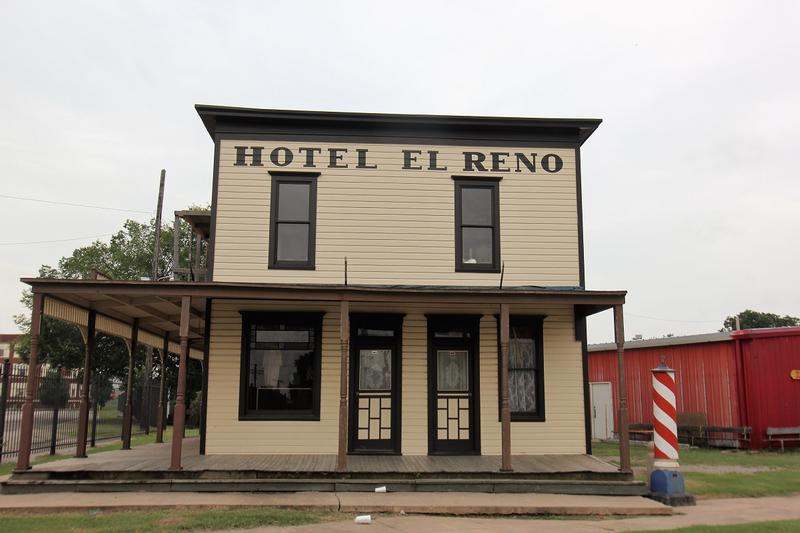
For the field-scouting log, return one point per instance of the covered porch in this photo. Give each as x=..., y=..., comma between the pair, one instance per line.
x=143, y=307
x=147, y=468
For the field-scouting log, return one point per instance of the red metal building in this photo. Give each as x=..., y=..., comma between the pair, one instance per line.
x=741, y=378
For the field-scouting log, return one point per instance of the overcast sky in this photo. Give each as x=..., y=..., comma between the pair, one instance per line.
x=691, y=193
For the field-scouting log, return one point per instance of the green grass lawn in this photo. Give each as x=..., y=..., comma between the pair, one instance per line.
x=162, y=520
x=136, y=440
x=783, y=476
x=783, y=526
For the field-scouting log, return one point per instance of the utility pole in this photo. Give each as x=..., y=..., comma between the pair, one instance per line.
x=148, y=367
x=157, y=245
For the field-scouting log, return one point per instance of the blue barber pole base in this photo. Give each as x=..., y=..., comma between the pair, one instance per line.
x=667, y=487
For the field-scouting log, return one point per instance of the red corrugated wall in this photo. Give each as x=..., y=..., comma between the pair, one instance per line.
x=705, y=373
x=773, y=397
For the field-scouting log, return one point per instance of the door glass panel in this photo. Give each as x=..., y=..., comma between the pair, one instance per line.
x=375, y=369
x=452, y=371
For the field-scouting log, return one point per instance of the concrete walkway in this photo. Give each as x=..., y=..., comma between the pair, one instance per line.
x=449, y=503
x=707, y=512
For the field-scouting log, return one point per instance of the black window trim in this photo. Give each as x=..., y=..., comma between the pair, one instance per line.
x=487, y=182
x=250, y=318
x=537, y=321
x=279, y=177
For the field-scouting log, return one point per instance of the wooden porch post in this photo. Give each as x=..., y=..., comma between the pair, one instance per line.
x=26, y=431
x=344, y=339
x=206, y=364
x=162, y=383
x=624, y=443
x=83, y=413
x=176, y=247
x=179, y=416
x=127, y=419
x=505, y=408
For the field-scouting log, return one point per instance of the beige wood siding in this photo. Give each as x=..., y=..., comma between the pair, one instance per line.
x=79, y=316
x=226, y=433
x=563, y=432
x=397, y=226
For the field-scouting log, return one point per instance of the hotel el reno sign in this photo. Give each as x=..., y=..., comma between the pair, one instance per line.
x=310, y=157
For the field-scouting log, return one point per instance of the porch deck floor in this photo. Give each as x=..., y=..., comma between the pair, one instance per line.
x=156, y=457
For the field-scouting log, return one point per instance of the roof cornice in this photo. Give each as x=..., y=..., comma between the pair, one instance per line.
x=221, y=121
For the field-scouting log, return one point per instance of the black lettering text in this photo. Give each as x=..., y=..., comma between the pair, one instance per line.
x=335, y=157
x=474, y=160
x=552, y=163
x=310, y=155
x=432, y=165
x=529, y=163
x=362, y=159
x=275, y=156
x=241, y=156
x=499, y=158
x=409, y=158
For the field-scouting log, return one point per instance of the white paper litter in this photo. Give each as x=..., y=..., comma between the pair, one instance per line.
x=363, y=519
x=380, y=489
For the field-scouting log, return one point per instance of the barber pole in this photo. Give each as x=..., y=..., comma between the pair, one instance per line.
x=666, y=480
x=665, y=434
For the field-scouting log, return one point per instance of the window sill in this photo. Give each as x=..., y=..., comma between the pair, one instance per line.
x=297, y=417
x=524, y=417
x=289, y=266
x=489, y=269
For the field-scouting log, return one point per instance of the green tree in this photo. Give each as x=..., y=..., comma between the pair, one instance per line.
x=54, y=390
x=101, y=390
x=126, y=256
x=749, y=319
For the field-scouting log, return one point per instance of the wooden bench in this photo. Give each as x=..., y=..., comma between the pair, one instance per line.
x=691, y=428
x=739, y=434
x=783, y=435
x=640, y=431
x=696, y=434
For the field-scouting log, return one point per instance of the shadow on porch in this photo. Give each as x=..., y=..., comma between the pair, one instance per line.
x=147, y=468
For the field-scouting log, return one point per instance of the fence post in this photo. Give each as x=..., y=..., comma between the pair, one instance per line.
x=94, y=413
x=3, y=402
x=148, y=371
x=54, y=431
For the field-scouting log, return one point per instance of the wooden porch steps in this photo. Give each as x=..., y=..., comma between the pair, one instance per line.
x=28, y=484
x=323, y=475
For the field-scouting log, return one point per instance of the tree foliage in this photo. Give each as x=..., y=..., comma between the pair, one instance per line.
x=126, y=256
x=54, y=390
x=749, y=319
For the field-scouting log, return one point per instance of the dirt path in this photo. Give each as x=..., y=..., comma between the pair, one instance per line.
x=727, y=511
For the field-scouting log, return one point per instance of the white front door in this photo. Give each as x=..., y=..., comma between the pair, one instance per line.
x=602, y=411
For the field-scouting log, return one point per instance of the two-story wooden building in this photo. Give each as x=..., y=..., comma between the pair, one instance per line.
x=408, y=286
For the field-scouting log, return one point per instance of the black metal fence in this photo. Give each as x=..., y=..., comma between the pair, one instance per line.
x=57, y=405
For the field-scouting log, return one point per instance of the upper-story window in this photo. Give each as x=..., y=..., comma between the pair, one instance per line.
x=477, y=225
x=293, y=220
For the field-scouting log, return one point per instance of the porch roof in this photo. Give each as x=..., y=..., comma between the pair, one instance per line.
x=123, y=296
x=156, y=305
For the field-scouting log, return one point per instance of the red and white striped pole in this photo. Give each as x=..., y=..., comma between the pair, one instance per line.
x=665, y=412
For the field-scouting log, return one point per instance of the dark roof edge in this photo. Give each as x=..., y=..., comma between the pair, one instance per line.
x=337, y=292
x=665, y=341
x=211, y=114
